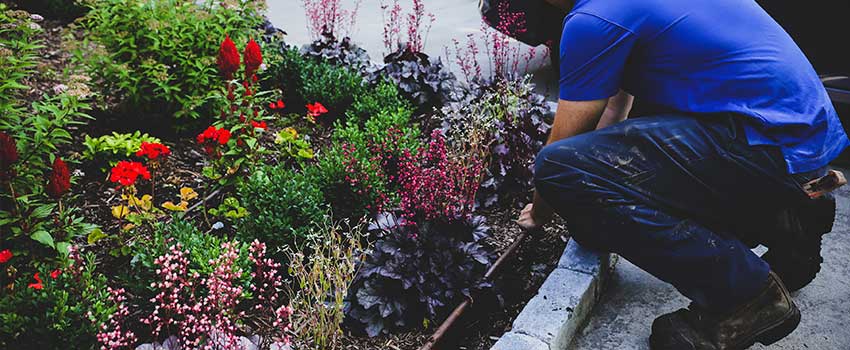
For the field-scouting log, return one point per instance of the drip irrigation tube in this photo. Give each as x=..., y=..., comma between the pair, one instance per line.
x=440, y=333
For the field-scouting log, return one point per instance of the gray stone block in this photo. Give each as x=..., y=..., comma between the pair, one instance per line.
x=516, y=341
x=578, y=258
x=560, y=307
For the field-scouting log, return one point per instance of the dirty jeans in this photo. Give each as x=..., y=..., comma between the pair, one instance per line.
x=675, y=195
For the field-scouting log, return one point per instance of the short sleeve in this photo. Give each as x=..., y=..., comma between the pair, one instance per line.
x=593, y=57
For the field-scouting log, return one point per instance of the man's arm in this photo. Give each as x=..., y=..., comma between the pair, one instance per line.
x=617, y=110
x=571, y=118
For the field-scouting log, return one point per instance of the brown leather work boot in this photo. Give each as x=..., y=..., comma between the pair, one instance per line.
x=766, y=319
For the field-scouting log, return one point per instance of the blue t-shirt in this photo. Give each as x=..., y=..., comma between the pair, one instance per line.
x=704, y=57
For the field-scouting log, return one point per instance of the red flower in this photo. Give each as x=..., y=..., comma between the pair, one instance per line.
x=253, y=57
x=316, y=109
x=215, y=135
x=277, y=105
x=211, y=138
x=228, y=58
x=55, y=273
x=8, y=151
x=259, y=125
x=126, y=172
x=5, y=255
x=152, y=150
x=59, y=181
x=38, y=284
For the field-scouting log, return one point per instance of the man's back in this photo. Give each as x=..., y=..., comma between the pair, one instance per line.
x=704, y=57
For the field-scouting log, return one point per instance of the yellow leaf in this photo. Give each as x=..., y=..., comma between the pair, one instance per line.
x=178, y=207
x=146, y=202
x=128, y=227
x=120, y=211
x=187, y=194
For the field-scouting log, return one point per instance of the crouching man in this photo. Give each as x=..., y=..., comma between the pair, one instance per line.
x=743, y=124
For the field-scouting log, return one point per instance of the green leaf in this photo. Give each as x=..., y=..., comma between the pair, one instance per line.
x=95, y=235
x=43, y=211
x=63, y=248
x=44, y=238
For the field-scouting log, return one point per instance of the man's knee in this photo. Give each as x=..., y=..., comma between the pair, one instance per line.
x=558, y=169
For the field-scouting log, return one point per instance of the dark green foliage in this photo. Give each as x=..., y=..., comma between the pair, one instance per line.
x=282, y=205
x=383, y=97
x=426, y=82
x=160, y=55
x=308, y=81
x=417, y=272
x=67, y=310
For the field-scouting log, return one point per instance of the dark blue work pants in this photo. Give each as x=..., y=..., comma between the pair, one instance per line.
x=675, y=195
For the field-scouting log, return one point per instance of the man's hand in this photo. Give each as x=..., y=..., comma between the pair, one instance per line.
x=529, y=220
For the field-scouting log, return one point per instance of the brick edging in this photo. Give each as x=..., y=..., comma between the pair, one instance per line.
x=553, y=317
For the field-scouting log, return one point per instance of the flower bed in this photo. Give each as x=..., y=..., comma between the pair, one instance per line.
x=232, y=188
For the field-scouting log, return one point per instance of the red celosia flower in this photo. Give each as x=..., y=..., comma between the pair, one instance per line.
x=38, y=284
x=152, y=150
x=5, y=255
x=228, y=58
x=59, y=181
x=55, y=273
x=259, y=125
x=126, y=172
x=316, y=109
x=253, y=57
x=8, y=151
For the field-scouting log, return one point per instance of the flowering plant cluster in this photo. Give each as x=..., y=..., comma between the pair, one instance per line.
x=242, y=119
x=434, y=186
x=57, y=304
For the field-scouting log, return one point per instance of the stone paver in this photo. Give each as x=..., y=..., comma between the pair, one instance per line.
x=633, y=298
x=563, y=303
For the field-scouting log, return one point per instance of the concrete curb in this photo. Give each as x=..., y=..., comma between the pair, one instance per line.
x=553, y=317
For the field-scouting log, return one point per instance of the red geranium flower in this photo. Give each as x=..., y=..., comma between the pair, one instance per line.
x=8, y=151
x=126, y=172
x=55, y=273
x=253, y=57
x=228, y=58
x=212, y=137
x=5, y=255
x=259, y=125
x=152, y=150
x=38, y=284
x=59, y=181
x=316, y=109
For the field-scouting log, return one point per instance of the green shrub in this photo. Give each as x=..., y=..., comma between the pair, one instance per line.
x=18, y=55
x=283, y=206
x=316, y=81
x=160, y=55
x=383, y=97
x=67, y=309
